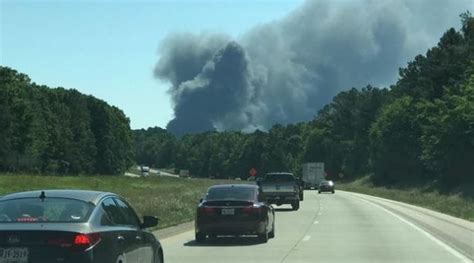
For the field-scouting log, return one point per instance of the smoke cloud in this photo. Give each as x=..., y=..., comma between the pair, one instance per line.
x=285, y=71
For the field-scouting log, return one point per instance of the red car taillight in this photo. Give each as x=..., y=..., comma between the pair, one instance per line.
x=252, y=209
x=86, y=240
x=27, y=219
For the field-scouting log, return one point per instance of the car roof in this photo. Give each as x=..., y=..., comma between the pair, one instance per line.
x=82, y=195
x=234, y=186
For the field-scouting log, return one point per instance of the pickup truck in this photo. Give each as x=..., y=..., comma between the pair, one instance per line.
x=281, y=188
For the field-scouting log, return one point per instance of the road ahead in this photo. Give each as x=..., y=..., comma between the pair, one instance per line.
x=343, y=227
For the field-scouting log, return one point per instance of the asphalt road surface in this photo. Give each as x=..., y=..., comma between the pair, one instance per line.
x=343, y=227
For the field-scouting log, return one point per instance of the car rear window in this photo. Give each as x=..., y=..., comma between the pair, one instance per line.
x=279, y=178
x=31, y=210
x=231, y=193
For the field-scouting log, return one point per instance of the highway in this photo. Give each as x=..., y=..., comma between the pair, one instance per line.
x=343, y=227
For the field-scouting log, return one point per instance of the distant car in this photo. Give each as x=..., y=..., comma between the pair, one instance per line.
x=234, y=210
x=74, y=226
x=326, y=186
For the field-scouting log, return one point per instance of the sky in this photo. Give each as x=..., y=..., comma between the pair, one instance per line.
x=109, y=48
x=197, y=65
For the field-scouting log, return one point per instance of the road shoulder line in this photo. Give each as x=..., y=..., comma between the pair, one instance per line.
x=427, y=234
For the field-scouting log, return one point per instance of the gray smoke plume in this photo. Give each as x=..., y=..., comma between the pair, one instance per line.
x=285, y=71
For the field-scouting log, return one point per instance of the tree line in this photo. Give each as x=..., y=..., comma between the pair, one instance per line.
x=419, y=129
x=59, y=131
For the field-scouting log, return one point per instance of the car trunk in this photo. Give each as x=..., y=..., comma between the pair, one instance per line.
x=30, y=246
x=229, y=211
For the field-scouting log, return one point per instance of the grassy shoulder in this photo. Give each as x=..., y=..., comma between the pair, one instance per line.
x=173, y=200
x=453, y=204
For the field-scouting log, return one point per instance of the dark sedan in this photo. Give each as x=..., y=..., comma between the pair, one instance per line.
x=326, y=186
x=234, y=210
x=74, y=226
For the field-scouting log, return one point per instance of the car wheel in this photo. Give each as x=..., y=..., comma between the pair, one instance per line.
x=296, y=205
x=333, y=191
x=301, y=196
x=319, y=192
x=263, y=237
x=200, y=237
x=272, y=233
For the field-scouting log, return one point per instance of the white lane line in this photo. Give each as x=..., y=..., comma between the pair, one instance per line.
x=316, y=222
x=430, y=236
x=306, y=238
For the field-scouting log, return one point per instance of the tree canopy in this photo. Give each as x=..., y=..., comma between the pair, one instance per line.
x=61, y=131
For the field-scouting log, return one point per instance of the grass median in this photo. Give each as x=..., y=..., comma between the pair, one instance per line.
x=173, y=200
x=451, y=204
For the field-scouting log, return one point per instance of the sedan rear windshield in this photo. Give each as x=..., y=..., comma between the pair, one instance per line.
x=32, y=210
x=279, y=178
x=231, y=193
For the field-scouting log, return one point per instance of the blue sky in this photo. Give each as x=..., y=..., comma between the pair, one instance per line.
x=109, y=48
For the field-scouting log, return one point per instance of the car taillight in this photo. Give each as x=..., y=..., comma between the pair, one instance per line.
x=247, y=210
x=27, y=219
x=252, y=209
x=86, y=240
x=207, y=210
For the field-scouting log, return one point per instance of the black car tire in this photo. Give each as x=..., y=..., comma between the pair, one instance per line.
x=263, y=237
x=296, y=205
x=319, y=192
x=272, y=233
x=301, y=196
x=333, y=191
x=200, y=237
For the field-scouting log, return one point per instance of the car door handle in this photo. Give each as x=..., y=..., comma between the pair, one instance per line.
x=139, y=238
x=120, y=238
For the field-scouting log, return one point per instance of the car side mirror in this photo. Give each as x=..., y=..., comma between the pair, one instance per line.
x=149, y=221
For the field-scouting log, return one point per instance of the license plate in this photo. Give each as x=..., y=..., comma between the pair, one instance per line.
x=14, y=255
x=228, y=211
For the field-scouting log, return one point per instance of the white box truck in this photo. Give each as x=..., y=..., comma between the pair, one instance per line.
x=313, y=174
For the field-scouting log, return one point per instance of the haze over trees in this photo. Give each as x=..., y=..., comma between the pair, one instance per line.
x=421, y=129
